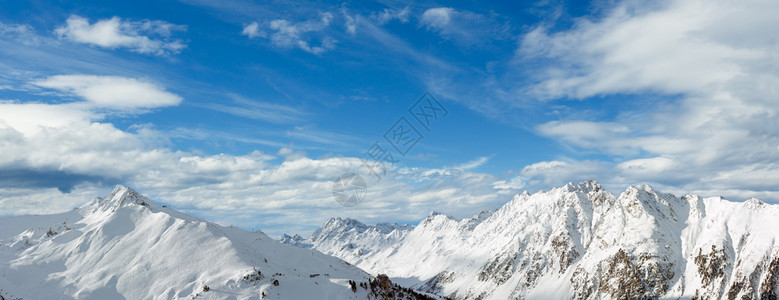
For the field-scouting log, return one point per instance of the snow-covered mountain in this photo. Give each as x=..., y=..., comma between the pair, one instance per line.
x=124, y=246
x=578, y=241
x=350, y=239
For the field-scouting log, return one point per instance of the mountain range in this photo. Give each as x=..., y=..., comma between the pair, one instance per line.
x=574, y=242
x=124, y=246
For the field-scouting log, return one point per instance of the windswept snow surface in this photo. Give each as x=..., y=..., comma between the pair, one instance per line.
x=578, y=241
x=124, y=246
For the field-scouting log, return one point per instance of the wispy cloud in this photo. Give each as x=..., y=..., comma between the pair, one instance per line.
x=312, y=134
x=148, y=37
x=389, y=14
x=252, y=30
x=288, y=34
x=723, y=125
x=464, y=27
x=252, y=109
x=23, y=33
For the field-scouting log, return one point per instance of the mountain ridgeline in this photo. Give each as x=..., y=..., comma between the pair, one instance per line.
x=125, y=246
x=575, y=242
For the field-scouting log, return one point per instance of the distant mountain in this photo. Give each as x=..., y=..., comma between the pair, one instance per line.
x=124, y=246
x=350, y=239
x=576, y=242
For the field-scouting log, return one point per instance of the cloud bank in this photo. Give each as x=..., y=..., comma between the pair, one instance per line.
x=720, y=136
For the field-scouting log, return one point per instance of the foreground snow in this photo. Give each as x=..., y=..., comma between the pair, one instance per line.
x=577, y=241
x=124, y=246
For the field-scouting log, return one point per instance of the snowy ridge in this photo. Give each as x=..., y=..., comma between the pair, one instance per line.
x=580, y=241
x=350, y=238
x=125, y=246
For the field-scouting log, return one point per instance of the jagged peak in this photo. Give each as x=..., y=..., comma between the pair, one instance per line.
x=634, y=191
x=386, y=228
x=344, y=222
x=123, y=196
x=754, y=203
x=584, y=186
x=436, y=214
x=435, y=217
x=295, y=239
x=477, y=219
x=335, y=226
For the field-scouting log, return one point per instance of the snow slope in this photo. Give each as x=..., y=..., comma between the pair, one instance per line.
x=578, y=241
x=124, y=246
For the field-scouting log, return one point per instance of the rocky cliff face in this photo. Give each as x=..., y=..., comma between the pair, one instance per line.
x=580, y=241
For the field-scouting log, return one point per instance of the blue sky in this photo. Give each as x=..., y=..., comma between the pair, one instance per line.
x=245, y=112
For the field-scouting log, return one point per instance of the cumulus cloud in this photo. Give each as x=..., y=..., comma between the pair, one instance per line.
x=288, y=34
x=28, y=117
x=148, y=37
x=718, y=64
x=91, y=98
x=57, y=156
x=253, y=190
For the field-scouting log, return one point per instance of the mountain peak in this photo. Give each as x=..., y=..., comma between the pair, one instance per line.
x=345, y=222
x=584, y=186
x=123, y=196
x=754, y=203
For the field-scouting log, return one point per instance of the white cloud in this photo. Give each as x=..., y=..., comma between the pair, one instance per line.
x=557, y=172
x=24, y=34
x=515, y=183
x=253, y=109
x=252, y=30
x=289, y=34
x=678, y=48
x=715, y=57
x=646, y=166
x=95, y=96
x=51, y=162
x=438, y=18
x=116, y=33
x=351, y=25
x=474, y=163
x=464, y=27
x=112, y=91
x=389, y=14
x=597, y=135
x=29, y=117
x=250, y=190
